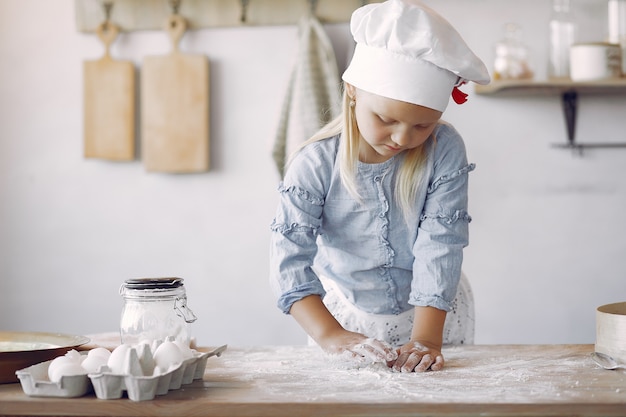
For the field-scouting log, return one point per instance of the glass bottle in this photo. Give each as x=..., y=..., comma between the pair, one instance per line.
x=155, y=309
x=617, y=27
x=562, y=36
x=511, y=56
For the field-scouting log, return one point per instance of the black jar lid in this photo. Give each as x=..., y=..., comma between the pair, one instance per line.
x=153, y=283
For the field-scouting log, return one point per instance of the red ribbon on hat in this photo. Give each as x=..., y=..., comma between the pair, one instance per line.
x=459, y=96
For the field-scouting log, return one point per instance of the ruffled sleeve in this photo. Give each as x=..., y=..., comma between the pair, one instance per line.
x=444, y=225
x=296, y=225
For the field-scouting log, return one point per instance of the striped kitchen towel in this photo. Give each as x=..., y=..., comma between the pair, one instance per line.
x=313, y=92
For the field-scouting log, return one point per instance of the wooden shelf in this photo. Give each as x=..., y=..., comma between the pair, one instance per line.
x=569, y=91
x=527, y=87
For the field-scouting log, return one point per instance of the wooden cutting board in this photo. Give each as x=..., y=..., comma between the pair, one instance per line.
x=175, y=108
x=109, y=103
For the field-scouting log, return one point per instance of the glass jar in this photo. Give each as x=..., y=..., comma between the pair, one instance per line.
x=512, y=57
x=562, y=37
x=155, y=309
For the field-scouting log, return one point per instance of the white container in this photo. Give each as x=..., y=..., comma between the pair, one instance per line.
x=595, y=61
x=611, y=330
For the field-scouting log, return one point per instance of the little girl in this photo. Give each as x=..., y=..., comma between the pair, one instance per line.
x=368, y=238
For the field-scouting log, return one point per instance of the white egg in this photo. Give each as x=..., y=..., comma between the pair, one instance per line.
x=101, y=352
x=71, y=356
x=118, y=358
x=66, y=369
x=158, y=371
x=168, y=354
x=92, y=363
x=185, y=349
x=57, y=363
x=74, y=355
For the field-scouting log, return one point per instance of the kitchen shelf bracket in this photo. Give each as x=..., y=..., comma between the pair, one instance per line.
x=569, y=100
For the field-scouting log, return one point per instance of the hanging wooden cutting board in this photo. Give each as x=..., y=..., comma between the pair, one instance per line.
x=175, y=108
x=109, y=103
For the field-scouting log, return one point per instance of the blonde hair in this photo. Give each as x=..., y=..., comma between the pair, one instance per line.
x=410, y=174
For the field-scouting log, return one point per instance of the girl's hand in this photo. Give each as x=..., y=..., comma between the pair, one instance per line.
x=317, y=321
x=416, y=357
x=358, y=346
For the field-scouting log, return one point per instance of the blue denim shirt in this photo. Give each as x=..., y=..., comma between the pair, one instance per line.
x=381, y=263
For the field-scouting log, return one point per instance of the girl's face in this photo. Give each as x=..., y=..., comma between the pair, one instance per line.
x=389, y=126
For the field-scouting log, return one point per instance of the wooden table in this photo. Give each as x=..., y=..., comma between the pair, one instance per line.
x=486, y=380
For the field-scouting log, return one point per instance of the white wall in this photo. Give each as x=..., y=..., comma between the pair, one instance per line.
x=547, y=240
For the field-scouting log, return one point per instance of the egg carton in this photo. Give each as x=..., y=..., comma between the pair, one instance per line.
x=108, y=385
x=35, y=383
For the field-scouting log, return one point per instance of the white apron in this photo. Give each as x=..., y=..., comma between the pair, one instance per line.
x=396, y=329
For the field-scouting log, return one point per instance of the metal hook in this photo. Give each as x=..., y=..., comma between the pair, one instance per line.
x=244, y=10
x=313, y=6
x=175, y=5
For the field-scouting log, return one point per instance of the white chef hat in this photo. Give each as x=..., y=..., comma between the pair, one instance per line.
x=406, y=51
